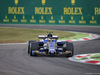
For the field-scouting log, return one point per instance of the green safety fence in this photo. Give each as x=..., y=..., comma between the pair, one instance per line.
x=53, y=12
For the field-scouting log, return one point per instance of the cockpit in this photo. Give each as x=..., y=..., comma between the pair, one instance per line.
x=49, y=40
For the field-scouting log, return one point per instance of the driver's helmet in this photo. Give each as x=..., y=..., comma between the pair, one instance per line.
x=49, y=40
x=49, y=35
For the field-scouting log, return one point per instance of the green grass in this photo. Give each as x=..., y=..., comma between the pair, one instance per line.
x=76, y=37
x=19, y=35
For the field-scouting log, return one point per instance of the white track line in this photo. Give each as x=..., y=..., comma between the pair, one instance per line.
x=12, y=43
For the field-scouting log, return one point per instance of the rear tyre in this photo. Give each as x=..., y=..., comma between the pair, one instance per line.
x=69, y=47
x=33, y=47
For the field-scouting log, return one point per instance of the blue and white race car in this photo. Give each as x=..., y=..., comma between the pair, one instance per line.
x=50, y=46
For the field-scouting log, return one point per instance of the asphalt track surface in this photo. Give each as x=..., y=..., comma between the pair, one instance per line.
x=14, y=59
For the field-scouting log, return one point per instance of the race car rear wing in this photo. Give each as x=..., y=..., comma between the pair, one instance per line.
x=45, y=36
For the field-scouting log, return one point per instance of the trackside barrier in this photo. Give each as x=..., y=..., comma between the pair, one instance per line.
x=53, y=12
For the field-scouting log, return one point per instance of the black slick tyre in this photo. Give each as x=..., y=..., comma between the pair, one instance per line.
x=29, y=42
x=69, y=47
x=33, y=47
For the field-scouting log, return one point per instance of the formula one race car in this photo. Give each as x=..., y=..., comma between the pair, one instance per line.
x=50, y=46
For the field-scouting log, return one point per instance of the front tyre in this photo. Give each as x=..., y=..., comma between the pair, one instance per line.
x=29, y=42
x=33, y=47
x=69, y=47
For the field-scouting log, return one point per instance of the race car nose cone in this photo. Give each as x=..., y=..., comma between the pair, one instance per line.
x=52, y=52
